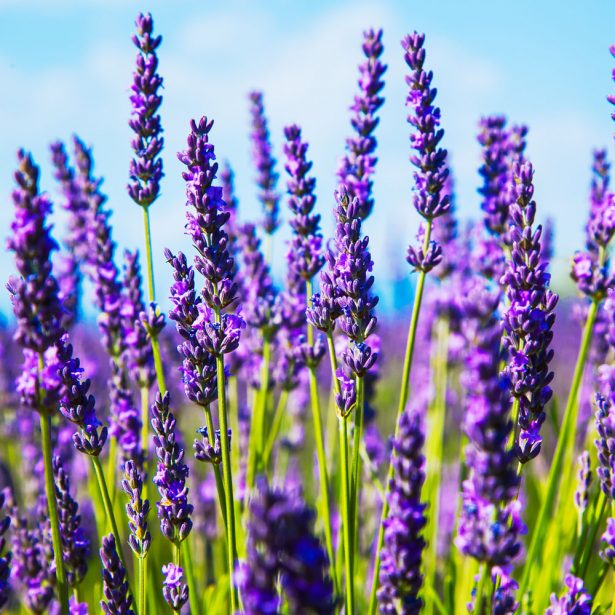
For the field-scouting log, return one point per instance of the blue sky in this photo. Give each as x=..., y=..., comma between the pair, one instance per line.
x=65, y=67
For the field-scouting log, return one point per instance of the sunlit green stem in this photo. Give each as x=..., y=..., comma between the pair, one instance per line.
x=346, y=521
x=227, y=476
x=151, y=289
x=276, y=426
x=50, y=488
x=480, y=590
x=599, y=513
x=564, y=448
x=403, y=400
x=142, y=602
x=325, y=506
x=216, y=467
x=356, y=460
x=193, y=597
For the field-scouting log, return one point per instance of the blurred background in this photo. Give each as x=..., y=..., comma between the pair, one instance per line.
x=66, y=66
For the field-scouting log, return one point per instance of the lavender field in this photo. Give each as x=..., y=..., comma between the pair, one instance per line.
x=261, y=434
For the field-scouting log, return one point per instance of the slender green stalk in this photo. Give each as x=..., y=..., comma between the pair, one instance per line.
x=565, y=444
x=356, y=461
x=108, y=506
x=216, y=467
x=480, y=590
x=434, y=453
x=162, y=385
x=276, y=425
x=255, y=447
x=346, y=522
x=600, y=511
x=403, y=400
x=228, y=477
x=142, y=608
x=325, y=506
x=193, y=597
x=111, y=467
x=148, y=252
x=50, y=488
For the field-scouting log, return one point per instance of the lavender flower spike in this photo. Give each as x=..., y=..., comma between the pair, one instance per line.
x=357, y=165
x=400, y=570
x=146, y=167
x=137, y=510
x=574, y=600
x=430, y=198
x=117, y=600
x=529, y=319
x=266, y=178
x=174, y=590
x=5, y=553
x=174, y=510
x=34, y=294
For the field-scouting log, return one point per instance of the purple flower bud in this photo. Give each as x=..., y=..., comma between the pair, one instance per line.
x=208, y=451
x=137, y=510
x=581, y=496
x=605, y=444
x=5, y=554
x=574, y=600
x=174, y=590
x=117, y=600
x=266, y=177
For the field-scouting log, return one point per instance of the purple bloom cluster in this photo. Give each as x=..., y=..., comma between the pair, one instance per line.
x=529, y=318
x=174, y=589
x=5, y=553
x=75, y=544
x=430, y=199
x=282, y=544
x=575, y=599
x=608, y=542
x=400, y=571
x=266, y=177
x=356, y=167
x=34, y=294
x=489, y=526
x=581, y=495
x=605, y=444
x=137, y=510
x=174, y=510
x=146, y=167
x=118, y=600
x=125, y=418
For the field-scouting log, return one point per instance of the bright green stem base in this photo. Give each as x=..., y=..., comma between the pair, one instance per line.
x=564, y=449
x=50, y=488
x=346, y=521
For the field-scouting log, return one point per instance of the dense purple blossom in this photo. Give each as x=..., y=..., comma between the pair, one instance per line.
x=118, y=600
x=146, y=167
x=400, y=571
x=174, y=510
x=574, y=601
x=357, y=166
x=581, y=495
x=34, y=294
x=608, y=542
x=605, y=445
x=504, y=596
x=267, y=177
x=137, y=510
x=75, y=544
x=529, y=319
x=281, y=544
x=174, y=589
x=5, y=552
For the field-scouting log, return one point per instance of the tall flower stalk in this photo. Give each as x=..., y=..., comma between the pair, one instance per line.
x=218, y=329
x=431, y=201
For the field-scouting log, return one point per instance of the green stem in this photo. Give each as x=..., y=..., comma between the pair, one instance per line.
x=593, y=532
x=325, y=505
x=231, y=546
x=256, y=420
x=162, y=385
x=50, y=488
x=108, y=506
x=356, y=462
x=403, y=400
x=346, y=520
x=480, y=590
x=193, y=597
x=111, y=467
x=148, y=251
x=434, y=453
x=216, y=467
x=564, y=448
x=276, y=425
x=142, y=603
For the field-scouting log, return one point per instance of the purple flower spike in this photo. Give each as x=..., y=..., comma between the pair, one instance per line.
x=174, y=510
x=608, y=542
x=266, y=177
x=174, y=589
x=575, y=600
x=304, y=255
x=118, y=600
x=146, y=167
x=430, y=198
x=137, y=510
x=504, y=597
x=75, y=545
x=357, y=166
x=34, y=294
x=529, y=319
x=581, y=496
x=125, y=418
x=402, y=552
x=5, y=554
x=605, y=444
